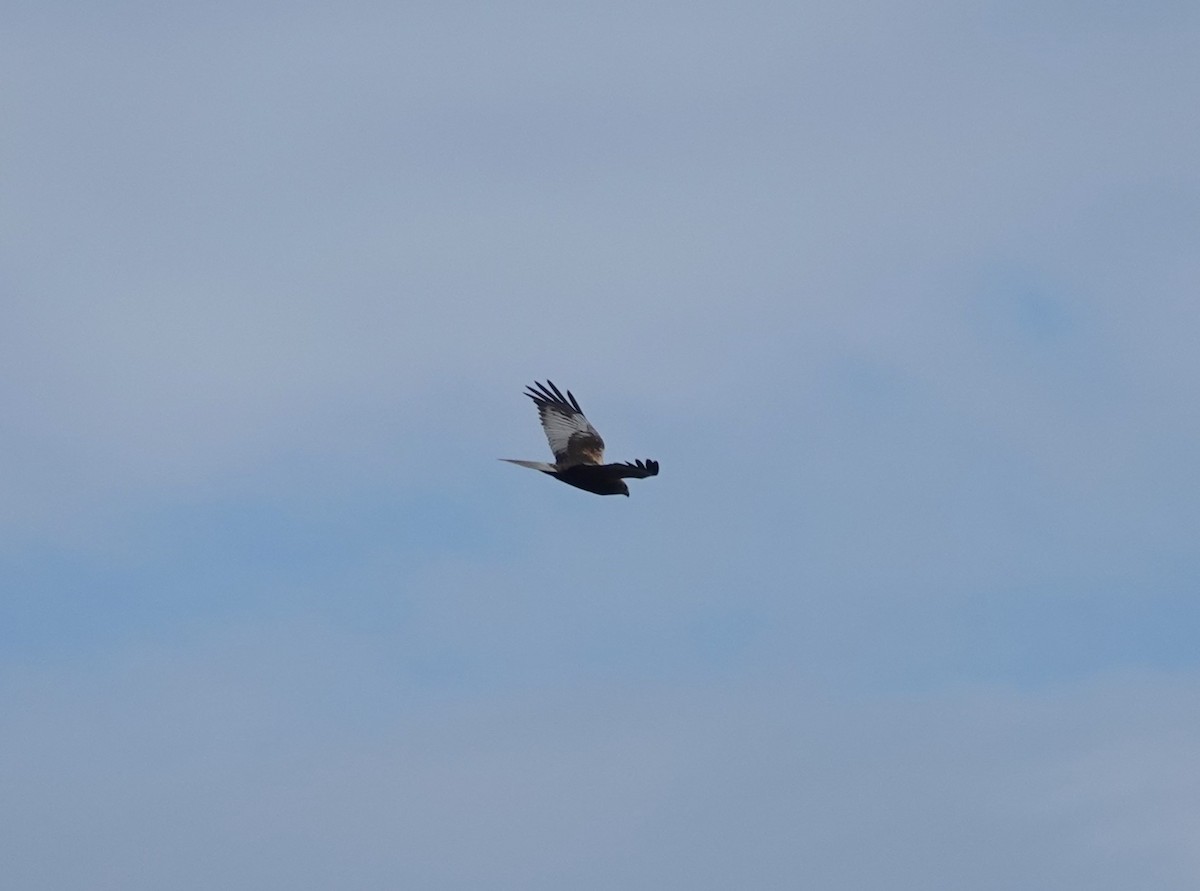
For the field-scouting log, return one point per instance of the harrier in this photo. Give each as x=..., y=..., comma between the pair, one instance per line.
x=578, y=448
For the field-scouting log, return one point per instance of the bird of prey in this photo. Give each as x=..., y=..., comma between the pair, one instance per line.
x=578, y=448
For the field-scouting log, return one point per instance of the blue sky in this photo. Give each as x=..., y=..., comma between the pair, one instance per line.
x=902, y=296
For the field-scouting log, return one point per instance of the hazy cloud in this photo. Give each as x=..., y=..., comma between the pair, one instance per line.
x=902, y=296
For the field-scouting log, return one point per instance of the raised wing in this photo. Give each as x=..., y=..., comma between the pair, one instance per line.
x=572, y=439
x=636, y=470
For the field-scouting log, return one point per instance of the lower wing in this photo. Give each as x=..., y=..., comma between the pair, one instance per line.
x=633, y=470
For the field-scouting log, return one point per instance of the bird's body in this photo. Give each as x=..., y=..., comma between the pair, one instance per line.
x=603, y=479
x=578, y=448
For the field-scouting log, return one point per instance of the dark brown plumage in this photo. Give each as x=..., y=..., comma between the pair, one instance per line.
x=578, y=448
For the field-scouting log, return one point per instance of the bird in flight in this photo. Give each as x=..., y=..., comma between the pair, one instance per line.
x=578, y=448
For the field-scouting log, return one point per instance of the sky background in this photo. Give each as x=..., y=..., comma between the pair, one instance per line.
x=904, y=297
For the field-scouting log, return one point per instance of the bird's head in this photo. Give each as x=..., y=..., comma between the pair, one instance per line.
x=622, y=488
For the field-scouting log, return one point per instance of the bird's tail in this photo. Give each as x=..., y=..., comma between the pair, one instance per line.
x=533, y=465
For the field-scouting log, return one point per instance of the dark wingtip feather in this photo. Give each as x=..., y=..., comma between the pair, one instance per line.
x=549, y=394
x=538, y=393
